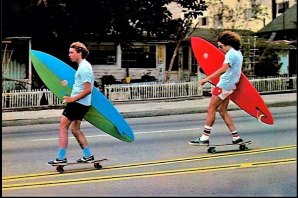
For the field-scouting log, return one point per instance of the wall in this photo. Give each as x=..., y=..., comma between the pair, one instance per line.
x=284, y=59
x=120, y=73
x=134, y=73
x=251, y=24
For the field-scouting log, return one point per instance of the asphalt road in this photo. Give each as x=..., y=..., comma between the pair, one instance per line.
x=160, y=162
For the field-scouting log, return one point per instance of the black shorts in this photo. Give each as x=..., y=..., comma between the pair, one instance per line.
x=75, y=111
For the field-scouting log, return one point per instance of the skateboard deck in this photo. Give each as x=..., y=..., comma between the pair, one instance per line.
x=242, y=146
x=96, y=164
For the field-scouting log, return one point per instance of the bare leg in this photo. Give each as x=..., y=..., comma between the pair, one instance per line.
x=76, y=131
x=215, y=102
x=63, y=132
x=225, y=115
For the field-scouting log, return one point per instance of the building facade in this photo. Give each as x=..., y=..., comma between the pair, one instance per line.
x=242, y=14
x=248, y=15
x=153, y=57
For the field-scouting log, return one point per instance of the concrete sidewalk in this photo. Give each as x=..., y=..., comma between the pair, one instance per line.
x=141, y=109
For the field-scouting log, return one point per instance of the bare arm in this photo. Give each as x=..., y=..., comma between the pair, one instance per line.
x=87, y=90
x=218, y=72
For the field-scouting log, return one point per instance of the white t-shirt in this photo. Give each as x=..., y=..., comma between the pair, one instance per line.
x=83, y=74
x=230, y=78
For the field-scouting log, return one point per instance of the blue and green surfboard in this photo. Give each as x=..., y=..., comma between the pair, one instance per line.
x=59, y=78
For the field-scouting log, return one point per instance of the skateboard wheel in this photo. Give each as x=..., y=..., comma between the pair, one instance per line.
x=60, y=169
x=97, y=166
x=211, y=150
x=243, y=148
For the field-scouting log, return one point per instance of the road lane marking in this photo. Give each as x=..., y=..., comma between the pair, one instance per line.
x=147, y=174
x=136, y=133
x=146, y=164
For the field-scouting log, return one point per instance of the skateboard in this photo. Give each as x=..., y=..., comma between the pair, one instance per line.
x=95, y=163
x=242, y=146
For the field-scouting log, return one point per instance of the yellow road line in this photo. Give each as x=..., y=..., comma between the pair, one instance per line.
x=147, y=174
x=145, y=164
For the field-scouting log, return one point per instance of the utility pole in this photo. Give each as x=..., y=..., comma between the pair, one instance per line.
x=273, y=9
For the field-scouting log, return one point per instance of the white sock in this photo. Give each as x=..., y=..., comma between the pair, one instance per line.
x=235, y=135
x=206, y=134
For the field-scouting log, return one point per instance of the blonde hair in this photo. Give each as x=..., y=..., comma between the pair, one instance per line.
x=80, y=47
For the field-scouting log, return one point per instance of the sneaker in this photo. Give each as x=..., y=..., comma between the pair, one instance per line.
x=238, y=141
x=58, y=162
x=86, y=159
x=198, y=142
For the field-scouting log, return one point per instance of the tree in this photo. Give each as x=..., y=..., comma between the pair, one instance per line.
x=52, y=23
x=268, y=63
x=184, y=24
x=268, y=60
x=237, y=18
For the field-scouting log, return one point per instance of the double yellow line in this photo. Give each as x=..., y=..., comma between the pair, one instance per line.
x=145, y=174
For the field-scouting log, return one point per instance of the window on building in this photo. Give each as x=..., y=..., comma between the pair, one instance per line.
x=231, y=13
x=281, y=7
x=253, y=2
x=248, y=13
x=185, y=58
x=139, y=56
x=218, y=21
x=102, y=54
x=203, y=21
x=194, y=64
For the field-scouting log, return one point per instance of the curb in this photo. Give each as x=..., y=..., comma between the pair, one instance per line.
x=164, y=112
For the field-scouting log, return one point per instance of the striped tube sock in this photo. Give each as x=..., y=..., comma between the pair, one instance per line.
x=235, y=135
x=206, y=133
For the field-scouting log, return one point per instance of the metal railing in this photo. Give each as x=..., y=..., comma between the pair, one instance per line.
x=275, y=84
x=139, y=91
x=25, y=98
x=145, y=91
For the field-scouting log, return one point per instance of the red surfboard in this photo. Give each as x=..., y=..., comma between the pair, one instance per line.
x=210, y=58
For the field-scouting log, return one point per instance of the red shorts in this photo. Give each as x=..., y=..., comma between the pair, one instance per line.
x=221, y=93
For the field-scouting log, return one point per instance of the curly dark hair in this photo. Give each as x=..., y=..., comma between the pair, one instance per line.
x=230, y=38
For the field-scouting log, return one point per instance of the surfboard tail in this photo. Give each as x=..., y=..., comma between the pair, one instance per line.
x=119, y=131
x=264, y=117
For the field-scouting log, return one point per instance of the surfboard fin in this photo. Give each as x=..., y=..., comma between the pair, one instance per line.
x=261, y=115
